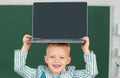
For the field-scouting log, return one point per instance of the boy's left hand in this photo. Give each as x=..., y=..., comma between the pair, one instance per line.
x=85, y=45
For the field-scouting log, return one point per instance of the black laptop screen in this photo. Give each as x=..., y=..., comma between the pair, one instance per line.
x=59, y=20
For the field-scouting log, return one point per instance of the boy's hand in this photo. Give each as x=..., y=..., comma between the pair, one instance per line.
x=85, y=45
x=26, y=43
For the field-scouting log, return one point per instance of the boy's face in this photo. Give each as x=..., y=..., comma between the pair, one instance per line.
x=57, y=58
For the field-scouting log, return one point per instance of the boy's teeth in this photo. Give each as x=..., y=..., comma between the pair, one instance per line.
x=56, y=65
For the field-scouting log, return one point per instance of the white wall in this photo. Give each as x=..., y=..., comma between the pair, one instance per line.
x=115, y=21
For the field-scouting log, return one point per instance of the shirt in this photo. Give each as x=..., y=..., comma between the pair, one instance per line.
x=20, y=67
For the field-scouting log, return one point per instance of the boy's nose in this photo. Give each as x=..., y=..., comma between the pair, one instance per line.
x=56, y=59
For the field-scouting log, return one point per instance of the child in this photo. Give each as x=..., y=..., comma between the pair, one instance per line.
x=57, y=57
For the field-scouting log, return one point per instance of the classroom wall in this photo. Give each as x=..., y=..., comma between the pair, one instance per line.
x=16, y=20
x=115, y=21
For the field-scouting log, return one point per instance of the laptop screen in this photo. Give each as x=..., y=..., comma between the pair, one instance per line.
x=59, y=20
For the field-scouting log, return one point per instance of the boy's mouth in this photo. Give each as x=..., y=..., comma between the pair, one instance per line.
x=57, y=65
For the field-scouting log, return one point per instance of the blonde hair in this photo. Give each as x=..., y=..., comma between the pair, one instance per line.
x=59, y=44
x=67, y=45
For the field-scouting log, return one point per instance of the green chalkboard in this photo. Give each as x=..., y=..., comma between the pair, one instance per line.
x=16, y=20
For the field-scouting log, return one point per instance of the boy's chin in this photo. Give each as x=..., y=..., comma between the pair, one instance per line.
x=56, y=72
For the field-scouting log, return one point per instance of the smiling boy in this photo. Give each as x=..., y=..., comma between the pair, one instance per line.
x=57, y=57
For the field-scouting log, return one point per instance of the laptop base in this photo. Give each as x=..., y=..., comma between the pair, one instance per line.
x=56, y=41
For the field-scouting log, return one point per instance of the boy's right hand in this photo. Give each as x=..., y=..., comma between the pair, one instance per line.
x=85, y=45
x=26, y=43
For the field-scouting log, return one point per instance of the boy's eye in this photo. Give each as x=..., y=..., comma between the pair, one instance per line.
x=62, y=57
x=51, y=56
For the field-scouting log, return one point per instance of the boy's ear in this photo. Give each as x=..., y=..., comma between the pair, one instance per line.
x=45, y=58
x=69, y=60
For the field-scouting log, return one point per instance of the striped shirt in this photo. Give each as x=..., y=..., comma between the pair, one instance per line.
x=20, y=67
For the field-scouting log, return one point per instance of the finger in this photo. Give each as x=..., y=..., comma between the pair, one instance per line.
x=84, y=39
x=28, y=36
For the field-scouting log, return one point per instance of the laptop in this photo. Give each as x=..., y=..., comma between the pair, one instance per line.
x=59, y=22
